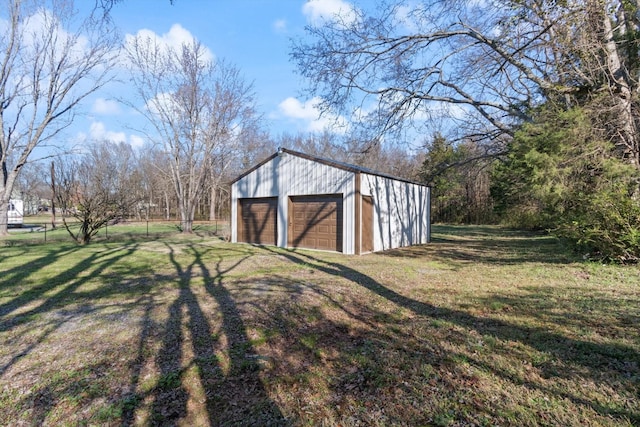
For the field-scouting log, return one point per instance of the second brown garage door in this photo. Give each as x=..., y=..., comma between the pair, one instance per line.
x=315, y=222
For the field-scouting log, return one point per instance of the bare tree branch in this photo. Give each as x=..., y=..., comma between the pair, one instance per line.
x=393, y=67
x=197, y=110
x=51, y=59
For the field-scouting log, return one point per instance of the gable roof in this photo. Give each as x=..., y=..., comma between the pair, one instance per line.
x=339, y=165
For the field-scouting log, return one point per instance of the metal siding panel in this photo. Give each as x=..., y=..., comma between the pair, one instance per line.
x=283, y=174
x=349, y=217
x=350, y=235
x=401, y=212
x=372, y=186
x=234, y=212
x=262, y=182
x=394, y=221
x=306, y=177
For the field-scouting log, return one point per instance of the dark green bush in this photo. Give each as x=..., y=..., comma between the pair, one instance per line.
x=560, y=176
x=605, y=225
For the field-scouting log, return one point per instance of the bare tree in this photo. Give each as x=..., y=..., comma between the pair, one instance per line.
x=196, y=109
x=53, y=195
x=157, y=181
x=251, y=146
x=96, y=188
x=32, y=186
x=50, y=59
x=486, y=63
x=326, y=144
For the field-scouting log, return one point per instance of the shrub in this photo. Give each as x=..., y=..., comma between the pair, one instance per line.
x=560, y=176
x=605, y=225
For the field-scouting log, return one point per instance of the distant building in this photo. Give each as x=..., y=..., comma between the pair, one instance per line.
x=16, y=213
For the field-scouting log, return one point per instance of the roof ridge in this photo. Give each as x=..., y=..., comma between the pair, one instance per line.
x=328, y=162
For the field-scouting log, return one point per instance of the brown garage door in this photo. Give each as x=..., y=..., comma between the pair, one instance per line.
x=315, y=222
x=257, y=221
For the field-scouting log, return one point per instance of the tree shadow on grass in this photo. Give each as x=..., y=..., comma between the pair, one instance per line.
x=590, y=311
x=243, y=398
x=64, y=287
x=64, y=386
x=16, y=276
x=596, y=360
x=233, y=394
x=492, y=245
x=65, y=306
x=130, y=401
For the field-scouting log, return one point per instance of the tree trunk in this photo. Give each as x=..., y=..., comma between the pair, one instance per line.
x=149, y=203
x=6, y=187
x=167, y=210
x=4, y=216
x=212, y=203
x=627, y=142
x=53, y=196
x=47, y=70
x=187, y=212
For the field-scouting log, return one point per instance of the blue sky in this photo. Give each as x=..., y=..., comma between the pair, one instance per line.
x=254, y=35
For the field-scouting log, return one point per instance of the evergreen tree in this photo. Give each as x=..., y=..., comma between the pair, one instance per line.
x=562, y=176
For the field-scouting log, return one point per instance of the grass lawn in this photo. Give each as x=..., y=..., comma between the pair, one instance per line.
x=483, y=326
x=37, y=229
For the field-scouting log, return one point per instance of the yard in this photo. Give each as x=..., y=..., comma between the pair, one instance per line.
x=484, y=326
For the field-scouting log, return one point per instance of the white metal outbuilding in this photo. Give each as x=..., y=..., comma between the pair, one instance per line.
x=292, y=199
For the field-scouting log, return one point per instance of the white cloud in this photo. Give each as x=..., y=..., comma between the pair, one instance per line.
x=441, y=110
x=477, y=3
x=292, y=107
x=161, y=105
x=404, y=17
x=174, y=39
x=105, y=106
x=280, y=26
x=319, y=11
x=309, y=114
x=136, y=141
x=99, y=132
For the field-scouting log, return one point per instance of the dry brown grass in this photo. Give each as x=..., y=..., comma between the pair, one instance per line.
x=481, y=327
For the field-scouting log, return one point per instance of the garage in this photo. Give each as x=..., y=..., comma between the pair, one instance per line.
x=316, y=222
x=258, y=222
x=295, y=200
